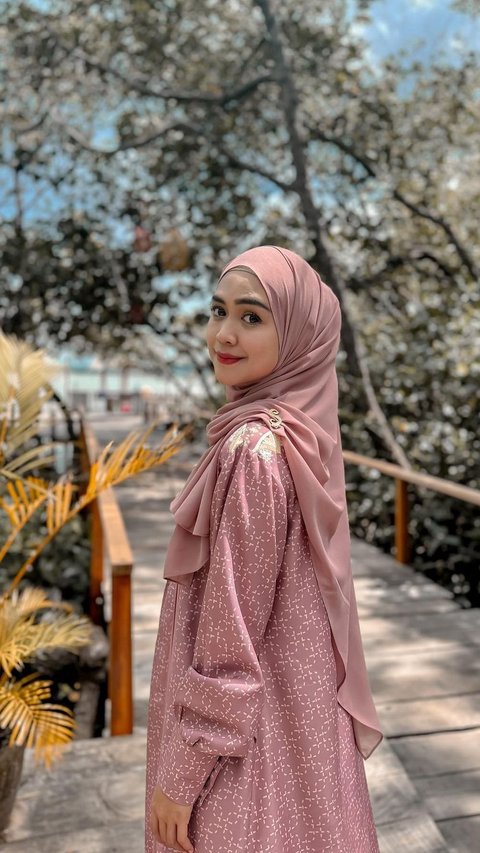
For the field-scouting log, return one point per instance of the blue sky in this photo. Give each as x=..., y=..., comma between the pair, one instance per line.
x=403, y=24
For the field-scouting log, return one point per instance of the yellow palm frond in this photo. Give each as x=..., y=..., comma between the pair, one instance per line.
x=26, y=496
x=34, y=457
x=112, y=466
x=25, y=376
x=32, y=721
x=59, y=505
x=68, y=631
x=21, y=636
x=32, y=599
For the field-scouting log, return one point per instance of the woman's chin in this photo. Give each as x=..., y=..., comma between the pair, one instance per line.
x=228, y=373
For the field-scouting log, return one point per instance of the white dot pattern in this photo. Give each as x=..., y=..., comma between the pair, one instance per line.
x=244, y=722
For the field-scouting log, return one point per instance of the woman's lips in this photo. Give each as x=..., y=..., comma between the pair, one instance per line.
x=228, y=359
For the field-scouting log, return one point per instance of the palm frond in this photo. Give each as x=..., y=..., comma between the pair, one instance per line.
x=26, y=496
x=127, y=460
x=25, y=376
x=32, y=599
x=112, y=466
x=21, y=636
x=32, y=721
x=34, y=457
x=59, y=505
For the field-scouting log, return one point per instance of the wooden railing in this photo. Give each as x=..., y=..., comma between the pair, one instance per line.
x=109, y=540
x=402, y=476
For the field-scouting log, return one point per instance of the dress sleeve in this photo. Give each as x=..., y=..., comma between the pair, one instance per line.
x=220, y=698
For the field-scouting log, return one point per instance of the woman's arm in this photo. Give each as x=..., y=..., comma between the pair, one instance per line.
x=220, y=698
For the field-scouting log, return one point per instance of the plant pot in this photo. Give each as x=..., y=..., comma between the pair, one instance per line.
x=11, y=763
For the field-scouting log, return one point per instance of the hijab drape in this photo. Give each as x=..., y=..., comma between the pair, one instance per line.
x=299, y=401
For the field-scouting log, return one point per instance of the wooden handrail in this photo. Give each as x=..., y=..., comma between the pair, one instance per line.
x=402, y=476
x=109, y=538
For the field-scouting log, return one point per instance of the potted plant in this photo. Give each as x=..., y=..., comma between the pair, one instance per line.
x=29, y=621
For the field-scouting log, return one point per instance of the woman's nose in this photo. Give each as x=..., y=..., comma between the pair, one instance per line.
x=226, y=332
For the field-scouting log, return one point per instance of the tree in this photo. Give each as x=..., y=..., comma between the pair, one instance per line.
x=242, y=123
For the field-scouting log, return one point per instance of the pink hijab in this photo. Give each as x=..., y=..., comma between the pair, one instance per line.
x=303, y=391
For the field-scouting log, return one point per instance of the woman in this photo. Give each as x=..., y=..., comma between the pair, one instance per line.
x=260, y=712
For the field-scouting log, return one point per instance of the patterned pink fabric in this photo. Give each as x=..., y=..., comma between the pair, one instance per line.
x=244, y=720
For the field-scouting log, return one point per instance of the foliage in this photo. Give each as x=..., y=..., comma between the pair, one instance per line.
x=184, y=102
x=248, y=122
x=62, y=569
x=25, y=709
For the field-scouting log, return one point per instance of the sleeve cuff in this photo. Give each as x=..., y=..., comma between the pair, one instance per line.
x=183, y=770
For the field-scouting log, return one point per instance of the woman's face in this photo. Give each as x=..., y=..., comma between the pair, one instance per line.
x=240, y=326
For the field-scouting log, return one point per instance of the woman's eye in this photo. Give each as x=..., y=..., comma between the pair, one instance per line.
x=251, y=314
x=254, y=317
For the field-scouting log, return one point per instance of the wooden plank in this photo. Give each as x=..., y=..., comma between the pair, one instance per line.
x=374, y=568
x=446, y=752
x=427, y=481
x=96, y=566
x=400, y=816
x=383, y=761
x=120, y=676
x=408, y=633
x=115, y=535
x=393, y=798
x=423, y=716
x=438, y=672
x=417, y=835
x=462, y=835
x=393, y=795
x=409, y=584
x=397, y=604
x=452, y=795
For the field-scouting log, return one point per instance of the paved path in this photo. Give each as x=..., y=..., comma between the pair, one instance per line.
x=422, y=653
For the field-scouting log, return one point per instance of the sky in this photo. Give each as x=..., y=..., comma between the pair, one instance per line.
x=403, y=24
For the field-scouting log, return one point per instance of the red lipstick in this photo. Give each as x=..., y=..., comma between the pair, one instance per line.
x=224, y=358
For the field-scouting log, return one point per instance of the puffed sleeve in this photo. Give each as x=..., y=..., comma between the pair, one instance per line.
x=220, y=698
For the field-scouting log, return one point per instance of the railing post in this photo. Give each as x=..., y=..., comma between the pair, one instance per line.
x=96, y=565
x=402, y=544
x=120, y=688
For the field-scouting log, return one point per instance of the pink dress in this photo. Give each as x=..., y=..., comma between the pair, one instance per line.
x=243, y=720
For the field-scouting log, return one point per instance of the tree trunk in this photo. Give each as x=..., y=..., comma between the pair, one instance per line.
x=356, y=356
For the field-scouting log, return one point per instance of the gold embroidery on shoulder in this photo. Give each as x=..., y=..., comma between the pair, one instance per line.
x=238, y=437
x=267, y=444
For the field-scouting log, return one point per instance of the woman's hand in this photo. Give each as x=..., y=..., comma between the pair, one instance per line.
x=169, y=822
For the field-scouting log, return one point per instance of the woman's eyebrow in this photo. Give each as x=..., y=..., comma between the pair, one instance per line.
x=247, y=300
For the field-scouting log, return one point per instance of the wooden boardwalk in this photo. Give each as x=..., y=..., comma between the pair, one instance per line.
x=423, y=656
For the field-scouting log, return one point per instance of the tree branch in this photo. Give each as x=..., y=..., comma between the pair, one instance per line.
x=394, y=262
x=21, y=131
x=418, y=210
x=354, y=347
x=235, y=163
x=222, y=99
x=78, y=137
